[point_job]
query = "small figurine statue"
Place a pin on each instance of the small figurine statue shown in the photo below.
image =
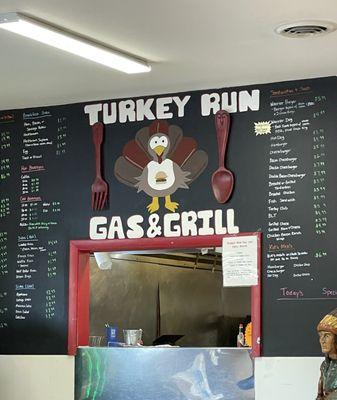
(327, 332)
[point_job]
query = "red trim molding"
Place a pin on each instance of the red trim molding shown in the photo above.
(256, 294)
(79, 273)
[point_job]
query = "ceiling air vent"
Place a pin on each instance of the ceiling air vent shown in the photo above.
(305, 29)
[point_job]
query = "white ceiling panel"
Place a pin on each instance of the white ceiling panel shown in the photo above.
(191, 44)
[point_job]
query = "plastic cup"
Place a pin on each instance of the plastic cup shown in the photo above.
(132, 337)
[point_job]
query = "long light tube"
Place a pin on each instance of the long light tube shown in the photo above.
(70, 43)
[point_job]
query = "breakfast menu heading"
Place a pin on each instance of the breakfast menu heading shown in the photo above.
(281, 151)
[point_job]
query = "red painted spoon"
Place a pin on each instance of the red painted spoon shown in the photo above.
(222, 178)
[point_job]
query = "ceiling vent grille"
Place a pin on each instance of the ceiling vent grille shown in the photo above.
(305, 29)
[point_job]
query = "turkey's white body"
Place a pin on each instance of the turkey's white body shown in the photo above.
(164, 169)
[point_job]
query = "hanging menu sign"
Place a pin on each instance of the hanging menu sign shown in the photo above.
(280, 151)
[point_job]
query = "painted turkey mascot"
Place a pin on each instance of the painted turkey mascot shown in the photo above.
(159, 161)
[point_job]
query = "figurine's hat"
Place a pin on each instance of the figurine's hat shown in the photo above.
(329, 322)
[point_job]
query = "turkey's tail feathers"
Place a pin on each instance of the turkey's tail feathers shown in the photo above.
(181, 177)
(141, 181)
(126, 172)
(196, 164)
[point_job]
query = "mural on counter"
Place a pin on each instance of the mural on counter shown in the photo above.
(193, 381)
(159, 161)
(327, 332)
(181, 373)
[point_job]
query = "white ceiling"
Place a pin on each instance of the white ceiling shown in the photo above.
(191, 44)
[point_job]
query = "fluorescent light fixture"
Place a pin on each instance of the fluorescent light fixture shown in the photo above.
(70, 43)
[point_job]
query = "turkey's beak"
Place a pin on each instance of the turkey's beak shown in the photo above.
(159, 150)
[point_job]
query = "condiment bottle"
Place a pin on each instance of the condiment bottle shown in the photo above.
(240, 342)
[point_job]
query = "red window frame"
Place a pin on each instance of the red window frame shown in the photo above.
(79, 275)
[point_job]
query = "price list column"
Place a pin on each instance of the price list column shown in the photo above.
(4, 307)
(319, 181)
(7, 120)
(61, 138)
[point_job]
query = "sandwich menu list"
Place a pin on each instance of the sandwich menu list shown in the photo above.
(299, 253)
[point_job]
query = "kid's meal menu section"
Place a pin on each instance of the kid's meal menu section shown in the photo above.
(281, 150)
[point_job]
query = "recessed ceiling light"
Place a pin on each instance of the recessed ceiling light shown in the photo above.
(71, 43)
(305, 29)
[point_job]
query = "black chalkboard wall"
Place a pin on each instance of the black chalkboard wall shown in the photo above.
(281, 149)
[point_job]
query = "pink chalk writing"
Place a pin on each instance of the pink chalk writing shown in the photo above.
(286, 292)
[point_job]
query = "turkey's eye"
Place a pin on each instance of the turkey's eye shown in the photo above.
(154, 142)
(164, 141)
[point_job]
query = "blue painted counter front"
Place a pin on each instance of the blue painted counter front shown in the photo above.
(149, 373)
